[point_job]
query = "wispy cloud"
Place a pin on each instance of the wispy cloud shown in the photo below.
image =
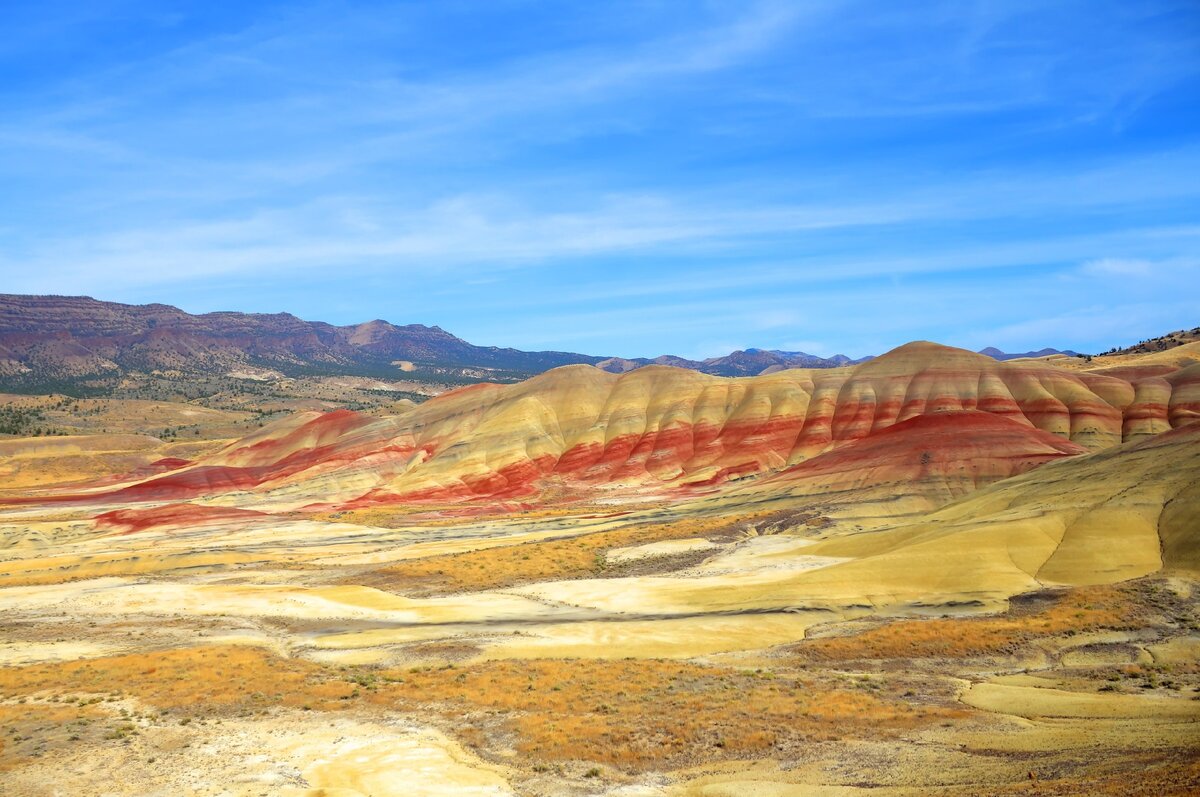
(1120, 267)
(767, 167)
(497, 231)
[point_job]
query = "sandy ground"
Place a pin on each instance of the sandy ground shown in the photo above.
(286, 754)
(1008, 691)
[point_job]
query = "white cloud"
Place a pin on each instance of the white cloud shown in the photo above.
(1118, 267)
(279, 154)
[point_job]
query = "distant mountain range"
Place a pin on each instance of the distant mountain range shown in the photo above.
(748, 362)
(55, 341)
(996, 354)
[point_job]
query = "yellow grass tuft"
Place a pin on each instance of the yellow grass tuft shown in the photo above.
(1083, 609)
(576, 557)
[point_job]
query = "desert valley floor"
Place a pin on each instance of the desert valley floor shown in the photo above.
(931, 573)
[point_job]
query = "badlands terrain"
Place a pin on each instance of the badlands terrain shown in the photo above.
(932, 572)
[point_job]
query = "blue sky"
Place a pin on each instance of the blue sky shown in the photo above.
(616, 178)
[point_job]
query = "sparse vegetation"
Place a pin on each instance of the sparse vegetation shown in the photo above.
(1085, 609)
(863, 684)
(1156, 344)
(574, 557)
(593, 711)
(23, 421)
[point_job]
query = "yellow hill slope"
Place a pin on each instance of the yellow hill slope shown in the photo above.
(1106, 517)
(583, 430)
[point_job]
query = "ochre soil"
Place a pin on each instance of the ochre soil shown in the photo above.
(631, 713)
(573, 557)
(630, 716)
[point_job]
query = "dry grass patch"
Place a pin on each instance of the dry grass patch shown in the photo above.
(29, 730)
(1079, 610)
(88, 416)
(575, 557)
(197, 680)
(641, 714)
(1148, 775)
(634, 714)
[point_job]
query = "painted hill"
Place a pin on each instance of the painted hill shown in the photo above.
(862, 533)
(915, 465)
(1089, 519)
(579, 431)
(1097, 519)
